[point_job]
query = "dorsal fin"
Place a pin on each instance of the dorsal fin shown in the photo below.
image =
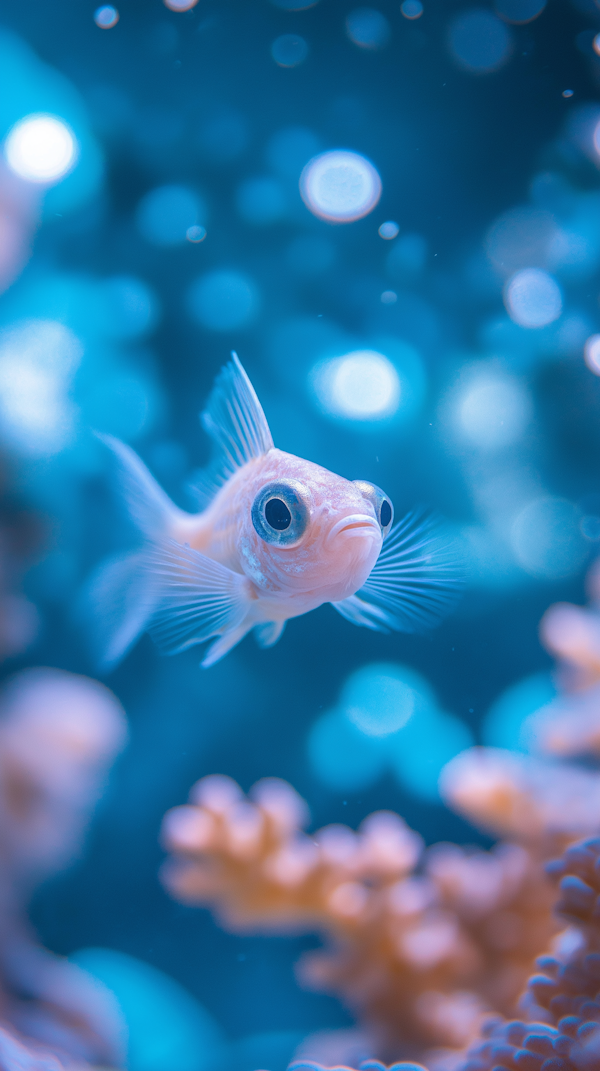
(235, 421)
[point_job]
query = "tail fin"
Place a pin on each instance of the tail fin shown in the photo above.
(121, 596)
(150, 509)
(119, 600)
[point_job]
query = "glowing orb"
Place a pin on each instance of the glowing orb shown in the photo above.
(519, 11)
(363, 385)
(388, 230)
(340, 186)
(533, 298)
(368, 28)
(494, 411)
(289, 50)
(106, 17)
(591, 354)
(223, 300)
(479, 42)
(411, 9)
(41, 148)
(546, 540)
(195, 233)
(166, 214)
(180, 5)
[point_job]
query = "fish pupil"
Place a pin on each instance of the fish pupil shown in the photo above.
(277, 515)
(385, 513)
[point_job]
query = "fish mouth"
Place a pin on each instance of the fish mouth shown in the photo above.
(354, 525)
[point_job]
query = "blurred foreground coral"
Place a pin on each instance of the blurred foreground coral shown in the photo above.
(423, 944)
(58, 736)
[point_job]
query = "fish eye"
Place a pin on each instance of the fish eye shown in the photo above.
(280, 512)
(384, 511)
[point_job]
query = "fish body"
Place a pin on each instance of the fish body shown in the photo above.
(278, 536)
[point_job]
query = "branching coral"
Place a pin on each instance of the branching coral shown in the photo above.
(417, 953)
(565, 994)
(58, 735)
(420, 943)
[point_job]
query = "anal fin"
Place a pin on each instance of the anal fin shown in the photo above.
(269, 633)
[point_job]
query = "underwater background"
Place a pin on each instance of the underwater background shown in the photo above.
(174, 232)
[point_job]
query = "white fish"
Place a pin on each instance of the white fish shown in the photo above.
(278, 536)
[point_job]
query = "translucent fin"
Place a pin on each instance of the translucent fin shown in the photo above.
(199, 597)
(363, 613)
(416, 580)
(235, 421)
(224, 644)
(150, 509)
(119, 600)
(268, 634)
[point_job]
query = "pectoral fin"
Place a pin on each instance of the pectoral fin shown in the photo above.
(415, 581)
(199, 597)
(363, 613)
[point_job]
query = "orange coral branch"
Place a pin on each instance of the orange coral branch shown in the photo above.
(419, 955)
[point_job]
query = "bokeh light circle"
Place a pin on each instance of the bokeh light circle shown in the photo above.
(106, 17)
(223, 300)
(533, 298)
(546, 539)
(166, 213)
(180, 5)
(494, 410)
(591, 354)
(195, 233)
(519, 11)
(289, 50)
(377, 700)
(362, 385)
(41, 148)
(340, 186)
(388, 230)
(368, 28)
(411, 9)
(479, 42)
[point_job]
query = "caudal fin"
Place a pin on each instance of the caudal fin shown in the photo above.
(150, 509)
(117, 604)
(121, 596)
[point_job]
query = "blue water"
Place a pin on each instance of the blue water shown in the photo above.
(180, 234)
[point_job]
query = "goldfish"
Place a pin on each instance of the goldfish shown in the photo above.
(276, 537)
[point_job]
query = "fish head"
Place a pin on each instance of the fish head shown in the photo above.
(309, 534)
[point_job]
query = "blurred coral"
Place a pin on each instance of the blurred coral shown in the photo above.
(570, 725)
(422, 944)
(531, 800)
(564, 996)
(19, 538)
(58, 735)
(418, 955)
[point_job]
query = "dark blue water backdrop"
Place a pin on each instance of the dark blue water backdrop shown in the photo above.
(439, 340)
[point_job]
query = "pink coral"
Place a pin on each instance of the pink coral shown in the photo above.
(418, 954)
(58, 735)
